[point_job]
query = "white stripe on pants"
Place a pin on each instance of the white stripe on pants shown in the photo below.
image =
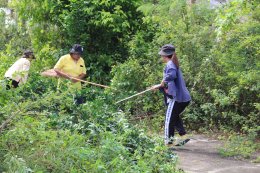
(167, 120)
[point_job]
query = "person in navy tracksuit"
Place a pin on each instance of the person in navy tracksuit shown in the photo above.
(177, 96)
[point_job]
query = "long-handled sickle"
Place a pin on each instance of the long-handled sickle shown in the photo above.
(53, 73)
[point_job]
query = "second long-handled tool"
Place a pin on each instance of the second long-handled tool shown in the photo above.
(140, 93)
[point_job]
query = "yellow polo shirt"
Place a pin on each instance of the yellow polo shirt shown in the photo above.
(67, 65)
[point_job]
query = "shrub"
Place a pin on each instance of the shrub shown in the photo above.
(52, 134)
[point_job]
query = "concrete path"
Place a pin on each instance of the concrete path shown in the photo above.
(201, 155)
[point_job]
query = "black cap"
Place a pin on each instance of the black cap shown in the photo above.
(167, 50)
(77, 48)
(27, 54)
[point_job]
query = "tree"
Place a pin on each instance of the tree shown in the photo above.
(102, 27)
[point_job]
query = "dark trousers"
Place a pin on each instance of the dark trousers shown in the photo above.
(173, 120)
(11, 84)
(80, 100)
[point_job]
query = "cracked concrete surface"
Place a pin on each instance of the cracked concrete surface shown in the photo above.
(201, 155)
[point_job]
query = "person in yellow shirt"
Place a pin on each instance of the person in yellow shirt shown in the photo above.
(71, 65)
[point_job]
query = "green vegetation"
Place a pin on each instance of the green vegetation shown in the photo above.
(239, 146)
(50, 133)
(218, 50)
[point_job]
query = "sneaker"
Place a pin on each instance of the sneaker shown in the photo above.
(182, 142)
(170, 141)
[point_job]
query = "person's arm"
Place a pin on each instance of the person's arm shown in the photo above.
(170, 75)
(61, 74)
(83, 72)
(67, 76)
(24, 72)
(80, 77)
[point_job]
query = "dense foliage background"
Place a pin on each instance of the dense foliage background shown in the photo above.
(218, 49)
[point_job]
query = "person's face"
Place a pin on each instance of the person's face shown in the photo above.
(164, 59)
(75, 56)
(31, 57)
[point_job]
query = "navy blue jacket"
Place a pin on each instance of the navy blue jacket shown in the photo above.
(173, 78)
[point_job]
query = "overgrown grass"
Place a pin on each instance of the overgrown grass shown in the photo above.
(240, 146)
(50, 133)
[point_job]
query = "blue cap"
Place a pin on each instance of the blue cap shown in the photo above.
(167, 50)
